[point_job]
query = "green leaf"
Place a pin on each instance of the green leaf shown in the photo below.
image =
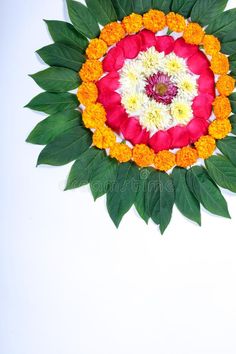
(185, 201)
(160, 198)
(59, 54)
(121, 194)
(232, 61)
(140, 201)
(103, 10)
(123, 8)
(48, 129)
(183, 7)
(51, 103)
(57, 79)
(232, 99)
(228, 44)
(141, 6)
(233, 123)
(206, 191)
(163, 5)
(103, 177)
(204, 11)
(66, 147)
(222, 172)
(82, 19)
(228, 147)
(84, 167)
(63, 32)
(222, 25)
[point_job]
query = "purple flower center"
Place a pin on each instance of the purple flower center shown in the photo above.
(161, 88)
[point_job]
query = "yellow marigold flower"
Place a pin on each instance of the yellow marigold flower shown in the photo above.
(193, 33)
(211, 44)
(221, 107)
(143, 156)
(186, 156)
(164, 160)
(220, 64)
(225, 85)
(175, 22)
(91, 70)
(104, 138)
(112, 33)
(133, 23)
(94, 116)
(205, 146)
(96, 49)
(154, 20)
(121, 152)
(87, 93)
(219, 129)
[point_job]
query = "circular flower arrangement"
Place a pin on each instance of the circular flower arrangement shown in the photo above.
(151, 123)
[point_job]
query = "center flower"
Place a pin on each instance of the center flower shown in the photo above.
(161, 88)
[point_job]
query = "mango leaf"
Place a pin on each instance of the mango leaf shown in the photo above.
(183, 7)
(103, 10)
(204, 11)
(228, 147)
(160, 198)
(232, 99)
(59, 54)
(228, 43)
(65, 33)
(222, 25)
(222, 171)
(123, 8)
(48, 129)
(66, 147)
(141, 6)
(140, 201)
(121, 194)
(232, 61)
(206, 191)
(57, 79)
(233, 123)
(82, 19)
(51, 103)
(162, 5)
(84, 167)
(103, 177)
(185, 201)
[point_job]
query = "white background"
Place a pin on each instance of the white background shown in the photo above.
(70, 283)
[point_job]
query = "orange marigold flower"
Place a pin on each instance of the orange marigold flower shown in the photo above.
(94, 116)
(143, 156)
(91, 70)
(175, 22)
(211, 44)
(205, 146)
(154, 20)
(193, 33)
(220, 64)
(96, 49)
(133, 23)
(219, 129)
(225, 85)
(121, 152)
(186, 156)
(104, 138)
(112, 33)
(221, 107)
(87, 93)
(164, 160)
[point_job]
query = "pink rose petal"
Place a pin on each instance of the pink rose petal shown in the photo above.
(165, 44)
(206, 82)
(179, 136)
(116, 115)
(109, 98)
(202, 106)
(198, 63)
(110, 82)
(114, 60)
(196, 128)
(133, 131)
(148, 39)
(131, 46)
(160, 141)
(183, 49)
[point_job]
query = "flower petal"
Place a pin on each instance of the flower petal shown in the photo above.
(202, 106)
(148, 39)
(160, 141)
(116, 115)
(131, 46)
(198, 63)
(165, 44)
(196, 128)
(179, 136)
(114, 60)
(109, 99)
(206, 82)
(133, 131)
(183, 49)
(110, 82)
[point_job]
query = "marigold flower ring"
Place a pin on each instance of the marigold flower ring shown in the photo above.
(152, 122)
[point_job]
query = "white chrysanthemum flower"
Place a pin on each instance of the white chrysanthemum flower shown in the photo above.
(131, 76)
(187, 85)
(181, 111)
(151, 61)
(156, 116)
(174, 65)
(134, 101)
